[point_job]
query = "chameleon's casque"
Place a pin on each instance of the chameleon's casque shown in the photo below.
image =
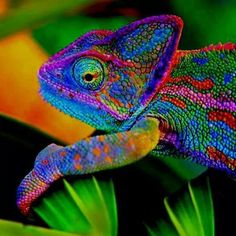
(135, 84)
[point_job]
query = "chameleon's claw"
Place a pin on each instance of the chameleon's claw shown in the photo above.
(38, 180)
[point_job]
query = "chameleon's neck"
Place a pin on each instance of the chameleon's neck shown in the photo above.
(196, 99)
(195, 86)
(166, 104)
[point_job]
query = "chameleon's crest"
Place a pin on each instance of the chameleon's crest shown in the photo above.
(141, 53)
(148, 46)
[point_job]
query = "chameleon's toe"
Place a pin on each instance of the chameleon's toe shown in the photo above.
(29, 190)
(34, 184)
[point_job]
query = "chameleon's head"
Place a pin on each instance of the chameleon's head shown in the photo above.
(105, 78)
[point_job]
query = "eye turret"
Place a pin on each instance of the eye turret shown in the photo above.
(88, 73)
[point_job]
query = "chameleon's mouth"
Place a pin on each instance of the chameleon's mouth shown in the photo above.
(66, 92)
(61, 92)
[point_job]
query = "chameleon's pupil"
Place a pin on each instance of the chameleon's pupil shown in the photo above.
(88, 77)
(88, 73)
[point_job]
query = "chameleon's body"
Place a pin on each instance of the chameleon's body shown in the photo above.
(133, 83)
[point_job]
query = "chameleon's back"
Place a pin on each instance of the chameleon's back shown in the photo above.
(198, 100)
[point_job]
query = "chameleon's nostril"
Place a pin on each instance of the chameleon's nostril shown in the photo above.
(58, 74)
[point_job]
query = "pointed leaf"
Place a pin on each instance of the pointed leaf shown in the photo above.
(87, 207)
(191, 212)
(28, 15)
(202, 201)
(10, 228)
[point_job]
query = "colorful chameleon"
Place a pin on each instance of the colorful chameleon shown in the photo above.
(150, 97)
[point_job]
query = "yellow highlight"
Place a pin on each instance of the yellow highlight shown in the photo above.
(108, 159)
(96, 152)
(106, 148)
(141, 143)
(78, 166)
(20, 59)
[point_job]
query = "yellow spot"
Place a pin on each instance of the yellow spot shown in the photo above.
(119, 135)
(101, 138)
(63, 153)
(129, 105)
(131, 74)
(106, 148)
(116, 78)
(141, 143)
(108, 159)
(78, 166)
(96, 152)
(56, 176)
(130, 143)
(77, 157)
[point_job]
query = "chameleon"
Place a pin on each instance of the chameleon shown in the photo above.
(146, 94)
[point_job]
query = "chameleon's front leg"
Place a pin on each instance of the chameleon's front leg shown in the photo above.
(87, 156)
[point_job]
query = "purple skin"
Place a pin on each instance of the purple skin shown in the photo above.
(149, 97)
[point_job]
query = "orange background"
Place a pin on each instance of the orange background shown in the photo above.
(20, 59)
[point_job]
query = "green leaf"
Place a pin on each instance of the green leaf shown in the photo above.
(202, 202)
(28, 15)
(170, 172)
(185, 169)
(87, 207)
(191, 212)
(205, 27)
(10, 228)
(56, 34)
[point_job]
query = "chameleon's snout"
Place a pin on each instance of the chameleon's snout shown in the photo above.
(46, 71)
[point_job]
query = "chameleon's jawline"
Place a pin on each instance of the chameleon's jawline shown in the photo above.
(80, 97)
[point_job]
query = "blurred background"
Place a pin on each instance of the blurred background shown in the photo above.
(33, 30)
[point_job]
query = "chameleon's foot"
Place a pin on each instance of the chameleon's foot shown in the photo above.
(38, 180)
(29, 190)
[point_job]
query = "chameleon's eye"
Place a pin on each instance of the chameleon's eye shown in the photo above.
(88, 73)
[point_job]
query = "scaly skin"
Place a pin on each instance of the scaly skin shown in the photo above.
(135, 85)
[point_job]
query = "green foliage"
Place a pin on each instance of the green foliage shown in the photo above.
(171, 173)
(57, 34)
(185, 169)
(33, 13)
(206, 22)
(86, 207)
(191, 213)
(10, 228)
